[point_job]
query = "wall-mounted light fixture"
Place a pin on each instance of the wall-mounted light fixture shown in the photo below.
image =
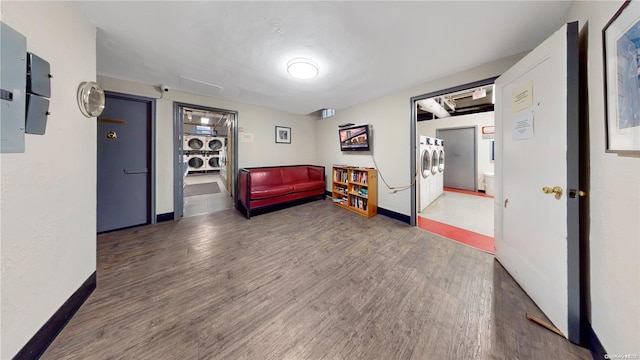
(90, 99)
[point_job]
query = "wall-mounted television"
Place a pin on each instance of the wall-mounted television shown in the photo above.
(355, 138)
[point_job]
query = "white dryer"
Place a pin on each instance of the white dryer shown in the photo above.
(194, 142)
(214, 143)
(196, 162)
(213, 162)
(425, 168)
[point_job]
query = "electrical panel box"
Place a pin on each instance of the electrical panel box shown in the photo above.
(38, 76)
(37, 111)
(13, 51)
(38, 90)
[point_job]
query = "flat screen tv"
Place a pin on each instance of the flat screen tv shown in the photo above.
(355, 138)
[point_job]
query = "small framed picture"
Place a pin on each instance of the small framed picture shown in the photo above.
(621, 41)
(283, 135)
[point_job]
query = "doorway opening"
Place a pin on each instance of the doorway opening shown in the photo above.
(455, 199)
(206, 158)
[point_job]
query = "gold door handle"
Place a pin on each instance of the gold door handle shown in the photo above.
(557, 190)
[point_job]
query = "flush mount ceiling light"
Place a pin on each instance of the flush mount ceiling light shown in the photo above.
(204, 120)
(302, 68)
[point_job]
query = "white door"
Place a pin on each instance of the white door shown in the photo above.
(535, 237)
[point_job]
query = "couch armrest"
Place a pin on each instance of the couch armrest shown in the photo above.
(244, 184)
(316, 173)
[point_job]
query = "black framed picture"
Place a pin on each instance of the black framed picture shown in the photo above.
(621, 42)
(283, 135)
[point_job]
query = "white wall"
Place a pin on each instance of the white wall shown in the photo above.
(48, 193)
(483, 153)
(390, 117)
(256, 120)
(615, 207)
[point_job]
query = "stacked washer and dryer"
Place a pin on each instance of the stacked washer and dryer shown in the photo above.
(193, 155)
(202, 153)
(431, 170)
(215, 144)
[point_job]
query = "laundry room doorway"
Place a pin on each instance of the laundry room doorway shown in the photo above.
(205, 158)
(451, 199)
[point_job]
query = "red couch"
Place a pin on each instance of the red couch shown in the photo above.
(263, 187)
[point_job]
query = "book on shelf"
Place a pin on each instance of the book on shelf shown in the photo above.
(340, 176)
(359, 176)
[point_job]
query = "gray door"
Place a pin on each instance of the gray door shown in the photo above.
(124, 184)
(460, 145)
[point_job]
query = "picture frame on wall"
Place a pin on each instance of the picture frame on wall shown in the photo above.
(621, 52)
(283, 135)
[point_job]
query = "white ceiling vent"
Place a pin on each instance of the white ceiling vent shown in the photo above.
(199, 87)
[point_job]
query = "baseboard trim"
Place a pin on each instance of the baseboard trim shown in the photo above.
(394, 215)
(388, 213)
(164, 217)
(595, 346)
(37, 345)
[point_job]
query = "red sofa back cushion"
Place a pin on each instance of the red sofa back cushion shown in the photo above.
(266, 177)
(295, 174)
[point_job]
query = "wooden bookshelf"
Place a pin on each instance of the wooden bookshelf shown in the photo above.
(355, 189)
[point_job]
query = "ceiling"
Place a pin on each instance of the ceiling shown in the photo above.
(239, 50)
(468, 101)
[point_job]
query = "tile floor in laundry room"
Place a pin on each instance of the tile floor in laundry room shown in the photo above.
(462, 216)
(206, 203)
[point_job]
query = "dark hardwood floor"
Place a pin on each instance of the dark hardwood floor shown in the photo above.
(309, 282)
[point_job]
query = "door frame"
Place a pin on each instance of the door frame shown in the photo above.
(151, 137)
(413, 126)
(475, 149)
(178, 132)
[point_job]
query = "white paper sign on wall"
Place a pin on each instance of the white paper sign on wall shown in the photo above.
(479, 93)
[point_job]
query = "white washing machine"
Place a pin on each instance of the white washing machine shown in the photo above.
(425, 168)
(196, 162)
(213, 162)
(435, 161)
(440, 174)
(194, 142)
(214, 143)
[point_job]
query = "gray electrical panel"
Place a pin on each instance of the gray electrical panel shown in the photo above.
(37, 111)
(13, 79)
(38, 76)
(38, 90)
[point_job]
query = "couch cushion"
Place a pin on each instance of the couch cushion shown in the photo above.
(265, 177)
(294, 174)
(261, 191)
(308, 185)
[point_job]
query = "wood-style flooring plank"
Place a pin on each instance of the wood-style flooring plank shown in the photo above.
(308, 282)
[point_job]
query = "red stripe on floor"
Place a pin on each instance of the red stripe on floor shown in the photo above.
(468, 192)
(473, 239)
